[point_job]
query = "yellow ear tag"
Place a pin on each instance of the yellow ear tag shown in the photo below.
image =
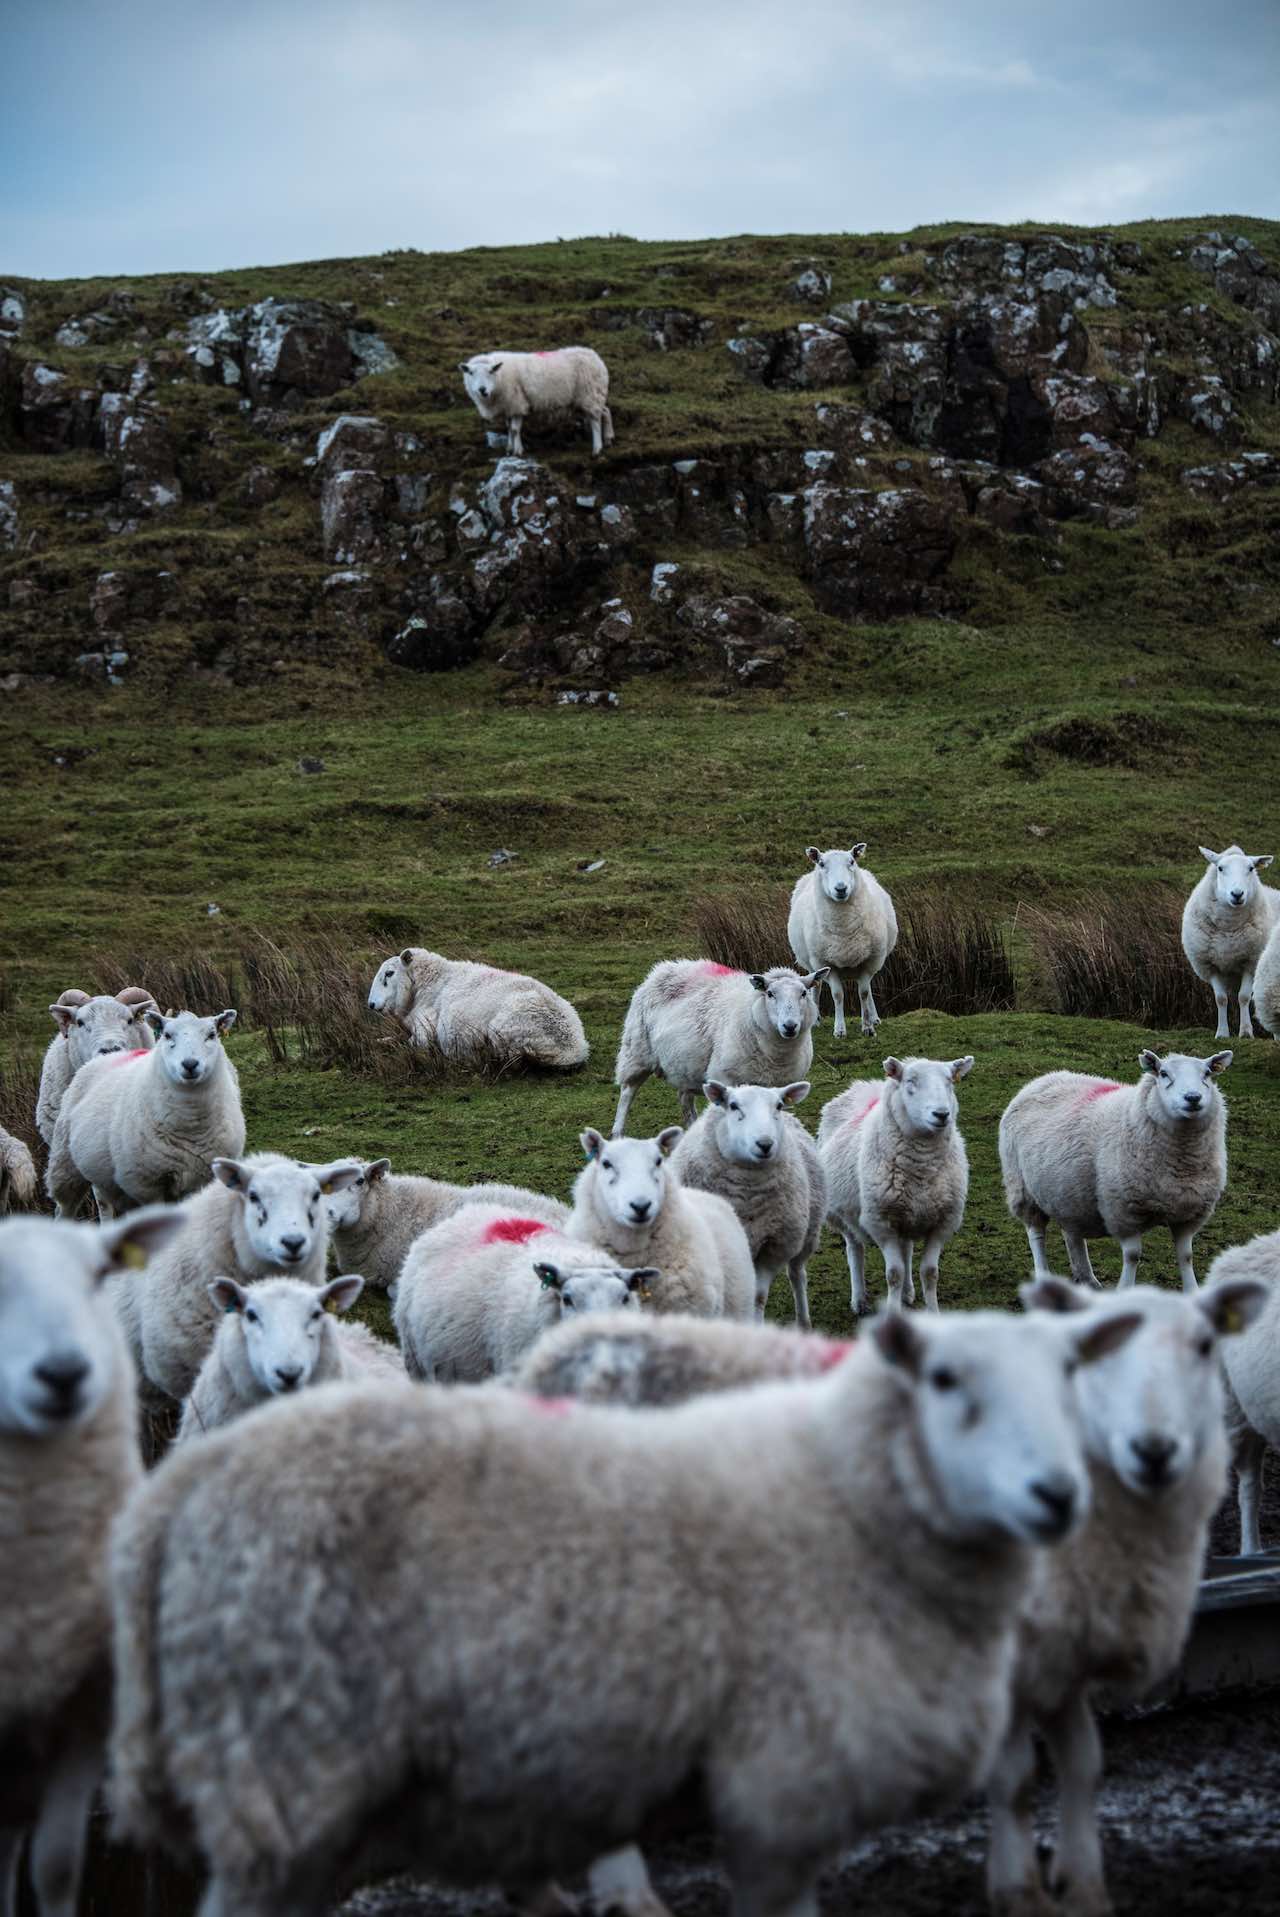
(1232, 1320)
(132, 1255)
(326, 1190)
(331, 1306)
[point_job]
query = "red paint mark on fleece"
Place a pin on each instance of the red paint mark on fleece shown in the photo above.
(553, 1407)
(126, 1058)
(859, 1116)
(711, 970)
(1098, 1091)
(512, 1231)
(830, 1351)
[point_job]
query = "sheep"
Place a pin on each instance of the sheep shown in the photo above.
(1252, 1366)
(897, 1171)
(747, 1148)
(1266, 985)
(88, 1028)
(691, 1020)
(651, 1360)
(19, 1188)
(376, 1218)
(475, 1703)
(627, 1202)
(277, 1336)
(1225, 925)
(465, 1008)
(1110, 1160)
(511, 386)
(842, 918)
(479, 1288)
(261, 1216)
(68, 1459)
(1112, 1608)
(147, 1125)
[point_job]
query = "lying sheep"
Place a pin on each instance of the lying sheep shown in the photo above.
(842, 919)
(277, 1336)
(648, 1360)
(1266, 985)
(1109, 1160)
(1252, 1365)
(691, 1020)
(511, 386)
(68, 1459)
(897, 1172)
(627, 1201)
(466, 1008)
(376, 1218)
(481, 1287)
(19, 1188)
(147, 1125)
(595, 1578)
(261, 1216)
(748, 1149)
(88, 1028)
(1112, 1608)
(1225, 925)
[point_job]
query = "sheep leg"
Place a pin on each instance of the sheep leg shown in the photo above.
(62, 1829)
(1246, 995)
(1013, 1876)
(897, 1270)
(620, 1886)
(1040, 1266)
(856, 1252)
(607, 418)
(106, 1205)
(10, 1857)
(1076, 1751)
(628, 1092)
(515, 440)
(1078, 1258)
(1249, 1450)
(765, 1275)
(770, 1889)
(224, 1898)
(798, 1273)
(688, 1108)
(1131, 1246)
(835, 985)
(1220, 999)
(866, 999)
(597, 436)
(1182, 1252)
(930, 1253)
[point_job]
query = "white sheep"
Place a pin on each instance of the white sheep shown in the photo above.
(1109, 1160)
(19, 1188)
(261, 1216)
(1252, 1365)
(691, 1020)
(652, 1360)
(525, 1626)
(376, 1218)
(843, 920)
(897, 1172)
(146, 1125)
(1225, 925)
(68, 1459)
(465, 1008)
(511, 386)
(480, 1288)
(748, 1149)
(88, 1028)
(1266, 984)
(276, 1336)
(627, 1200)
(1112, 1608)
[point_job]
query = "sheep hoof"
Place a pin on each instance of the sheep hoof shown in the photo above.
(1082, 1899)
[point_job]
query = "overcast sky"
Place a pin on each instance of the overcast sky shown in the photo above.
(162, 135)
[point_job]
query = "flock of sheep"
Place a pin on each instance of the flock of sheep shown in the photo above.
(491, 1628)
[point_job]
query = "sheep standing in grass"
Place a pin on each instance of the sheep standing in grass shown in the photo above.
(747, 1148)
(68, 1460)
(691, 1020)
(376, 1218)
(19, 1187)
(511, 386)
(481, 1287)
(1225, 925)
(479, 1010)
(593, 1577)
(1266, 985)
(1252, 1365)
(843, 920)
(651, 1360)
(1113, 1161)
(147, 1125)
(88, 1028)
(628, 1201)
(897, 1172)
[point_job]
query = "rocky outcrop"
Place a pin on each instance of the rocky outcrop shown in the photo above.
(279, 350)
(1240, 273)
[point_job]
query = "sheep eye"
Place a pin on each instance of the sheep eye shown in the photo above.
(566, 1301)
(1070, 1367)
(606, 1164)
(733, 1107)
(252, 1316)
(1204, 1347)
(80, 1023)
(943, 1379)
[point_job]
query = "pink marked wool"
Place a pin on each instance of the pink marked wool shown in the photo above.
(551, 1407)
(711, 970)
(1097, 1091)
(127, 1058)
(831, 1351)
(859, 1116)
(512, 1231)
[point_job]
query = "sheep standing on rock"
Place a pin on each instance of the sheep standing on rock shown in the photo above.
(376, 1218)
(747, 1148)
(691, 1020)
(465, 1008)
(1109, 1160)
(511, 386)
(1225, 925)
(147, 1125)
(19, 1187)
(1252, 1365)
(629, 1201)
(897, 1172)
(842, 919)
(88, 1028)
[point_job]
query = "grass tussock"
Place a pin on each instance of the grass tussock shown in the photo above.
(1122, 958)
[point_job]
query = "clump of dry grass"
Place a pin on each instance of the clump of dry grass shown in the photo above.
(1119, 957)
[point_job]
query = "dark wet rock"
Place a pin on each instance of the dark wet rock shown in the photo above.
(811, 285)
(667, 328)
(1221, 482)
(353, 439)
(13, 311)
(1094, 480)
(278, 350)
(1240, 273)
(852, 430)
(439, 637)
(8, 515)
(135, 436)
(877, 554)
(260, 485)
(353, 516)
(55, 414)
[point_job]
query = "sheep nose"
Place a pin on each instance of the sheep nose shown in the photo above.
(288, 1376)
(640, 1208)
(941, 1113)
(1154, 1453)
(1236, 897)
(292, 1244)
(63, 1372)
(790, 1029)
(842, 891)
(1057, 1494)
(105, 1050)
(764, 1146)
(1193, 1101)
(190, 1066)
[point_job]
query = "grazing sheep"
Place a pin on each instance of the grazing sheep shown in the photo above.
(481, 1287)
(648, 1360)
(691, 1020)
(376, 1218)
(68, 1460)
(262, 1216)
(842, 919)
(1252, 1365)
(511, 386)
(1266, 985)
(627, 1202)
(1112, 1608)
(1225, 925)
(466, 1008)
(88, 1028)
(19, 1187)
(1109, 1160)
(147, 1125)
(897, 1171)
(747, 1148)
(277, 1336)
(543, 1622)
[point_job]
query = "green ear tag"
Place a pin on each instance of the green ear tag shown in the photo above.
(132, 1255)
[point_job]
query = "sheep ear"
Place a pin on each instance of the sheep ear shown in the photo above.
(714, 1092)
(549, 1275)
(341, 1293)
(1263, 858)
(1149, 1060)
(1233, 1305)
(377, 1170)
(229, 1172)
(961, 1067)
(592, 1142)
(65, 1015)
(464, 365)
(760, 982)
(1211, 857)
(142, 1012)
(856, 851)
(813, 855)
(814, 979)
(225, 1020)
(640, 1280)
(668, 1140)
(227, 1295)
(496, 365)
(127, 1243)
(898, 1341)
(893, 1068)
(406, 957)
(1053, 1294)
(1104, 1333)
(337, 1176)
(1220, 1061)
(797, 1093)
(154, 1020)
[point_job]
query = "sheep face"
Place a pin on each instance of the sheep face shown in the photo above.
(749, 1126)
(345, 1204)
(282, 1322)
(283, 1205)
(631, 1175)
(788, 1000)
(58, 1350)
(478, 378)
(99, 1026)
(392, 989)
(1185, 1089)
(926, 1100)
(188, 1047)
(587, 1288)
(1235, 876)
(837, 870)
